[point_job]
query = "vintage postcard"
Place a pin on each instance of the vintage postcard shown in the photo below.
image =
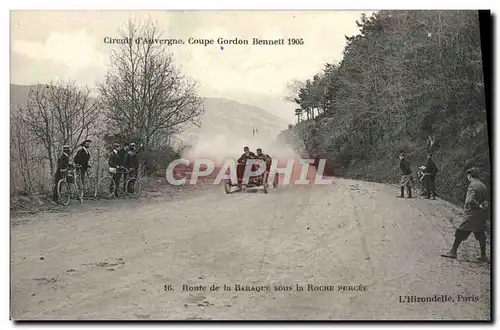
(250, 165)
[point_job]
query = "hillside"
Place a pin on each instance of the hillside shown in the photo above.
(18, 96)
(273, 104)
(408, 78)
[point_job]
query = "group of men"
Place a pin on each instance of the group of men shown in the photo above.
(121, 161)
(247, 154)
(81, 160)
(429, 180)
(476, 207)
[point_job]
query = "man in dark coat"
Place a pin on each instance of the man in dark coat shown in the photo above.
(242, 161)
(113, 163)
(131, 161)
(121, 161)
(62, 166)
(82, 158)
(404, 165)
(122, 152)
(247, 154)
(264, 157)
(475, 215)
(430, 172)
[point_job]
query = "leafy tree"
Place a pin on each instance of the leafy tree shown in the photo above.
(407, 78)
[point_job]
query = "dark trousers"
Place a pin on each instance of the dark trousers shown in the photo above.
(83, 172)
(116, 179)
(430, 185)
(462, 235)
(125, 177)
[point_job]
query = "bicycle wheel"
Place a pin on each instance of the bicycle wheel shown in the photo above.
(227, 186)
(134, 187)
(106, 187)
(417, 188)
(63, 192)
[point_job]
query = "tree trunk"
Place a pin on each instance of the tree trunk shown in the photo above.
(51, 160)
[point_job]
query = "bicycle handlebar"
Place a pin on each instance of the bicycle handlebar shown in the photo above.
(122, 168)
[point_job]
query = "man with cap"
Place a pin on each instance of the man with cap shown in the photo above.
(265, 157)
(475, 215)
(131, 161)
(430, 172)
(242, 161)
(247, 154)
(404, 165)
(113, 163)
(122, 152)
(121, 161)
(82, 158)
(62, 166)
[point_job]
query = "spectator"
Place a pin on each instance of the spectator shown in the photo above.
(62, 166)
(82, 158)
(113, 163)
(405, 177)
(430, 172)
(475, 215)
(121, 161)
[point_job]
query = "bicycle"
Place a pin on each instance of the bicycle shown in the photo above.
(70, 178)
(419, 184)
(133, 184)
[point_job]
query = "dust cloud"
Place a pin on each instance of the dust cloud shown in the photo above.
(220, 147)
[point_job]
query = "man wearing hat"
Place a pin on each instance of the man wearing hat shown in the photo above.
(475, 215)
(404, 165)
(121, 160)
(62, 165)
(131, 161)
(430, 172)
(247, 154)
(113, 163)
(82, 158)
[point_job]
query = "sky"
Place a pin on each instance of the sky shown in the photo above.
(47, 45)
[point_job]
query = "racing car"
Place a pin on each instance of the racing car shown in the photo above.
(256, 181)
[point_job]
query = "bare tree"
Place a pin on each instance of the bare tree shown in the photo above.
(57, 114)
(21, 153)
(145, 96)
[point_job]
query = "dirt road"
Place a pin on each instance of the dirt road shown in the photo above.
(118, 261)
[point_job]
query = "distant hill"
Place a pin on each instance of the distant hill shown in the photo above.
(237, 119)
(270, 103)
(227, 126)
(18, 96)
